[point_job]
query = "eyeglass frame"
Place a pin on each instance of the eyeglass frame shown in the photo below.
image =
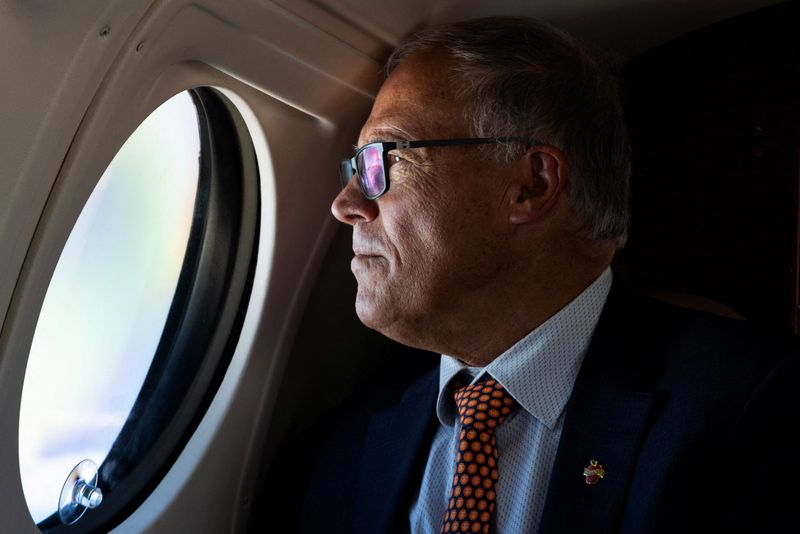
(386, 146)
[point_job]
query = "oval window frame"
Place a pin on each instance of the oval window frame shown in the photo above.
(203, 324)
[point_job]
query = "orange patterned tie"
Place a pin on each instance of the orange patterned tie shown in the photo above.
(482, 407)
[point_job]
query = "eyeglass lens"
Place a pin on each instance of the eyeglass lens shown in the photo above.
(370, 167)
(345, 172)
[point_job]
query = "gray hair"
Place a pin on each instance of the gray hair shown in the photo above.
(524, 78)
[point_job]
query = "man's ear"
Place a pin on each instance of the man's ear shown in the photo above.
(542, 178)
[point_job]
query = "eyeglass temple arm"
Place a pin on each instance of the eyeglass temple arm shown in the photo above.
(462, 141)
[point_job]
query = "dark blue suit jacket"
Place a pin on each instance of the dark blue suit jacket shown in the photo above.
(690, 414)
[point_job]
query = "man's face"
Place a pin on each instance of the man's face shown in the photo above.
(435, 240)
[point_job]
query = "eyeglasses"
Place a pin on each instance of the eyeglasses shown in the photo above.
(371, 160)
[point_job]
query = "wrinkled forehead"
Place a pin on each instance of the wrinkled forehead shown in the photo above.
(419, 100)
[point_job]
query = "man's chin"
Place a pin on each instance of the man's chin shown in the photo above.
(369, 312)
(376, 314)
(386, 320)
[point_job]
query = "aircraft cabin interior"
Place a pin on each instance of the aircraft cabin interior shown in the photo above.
(175, 295)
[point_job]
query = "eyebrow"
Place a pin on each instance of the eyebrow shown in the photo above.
(388, 133)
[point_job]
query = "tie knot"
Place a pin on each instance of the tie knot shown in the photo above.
(483, 405)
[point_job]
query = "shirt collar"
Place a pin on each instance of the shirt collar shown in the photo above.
(539, 370)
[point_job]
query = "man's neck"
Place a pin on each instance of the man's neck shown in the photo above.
(487, 331)
(480, 326)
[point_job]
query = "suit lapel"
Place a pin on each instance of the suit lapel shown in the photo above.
(610, 434)
(394, 451)
(605, 421)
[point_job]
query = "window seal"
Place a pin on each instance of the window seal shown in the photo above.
(202, 327)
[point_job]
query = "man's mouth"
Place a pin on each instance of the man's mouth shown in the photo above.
(366, 252)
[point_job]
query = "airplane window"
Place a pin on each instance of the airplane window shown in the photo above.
(141, 315)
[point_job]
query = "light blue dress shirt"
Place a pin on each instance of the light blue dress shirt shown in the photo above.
(539, 371)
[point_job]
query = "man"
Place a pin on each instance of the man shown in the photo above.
(487, 199)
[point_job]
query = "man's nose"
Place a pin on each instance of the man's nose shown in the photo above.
(351, 207)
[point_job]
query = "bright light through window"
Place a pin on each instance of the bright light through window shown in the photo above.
(107, 303)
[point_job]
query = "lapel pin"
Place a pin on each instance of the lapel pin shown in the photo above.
(593, 472)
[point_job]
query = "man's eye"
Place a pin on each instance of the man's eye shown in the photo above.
(396, 159)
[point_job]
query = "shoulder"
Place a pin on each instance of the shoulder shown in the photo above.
(733, 344)
(679, 347)
(705, 374)
(322, 467)
(724, 403)
(390, 385)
